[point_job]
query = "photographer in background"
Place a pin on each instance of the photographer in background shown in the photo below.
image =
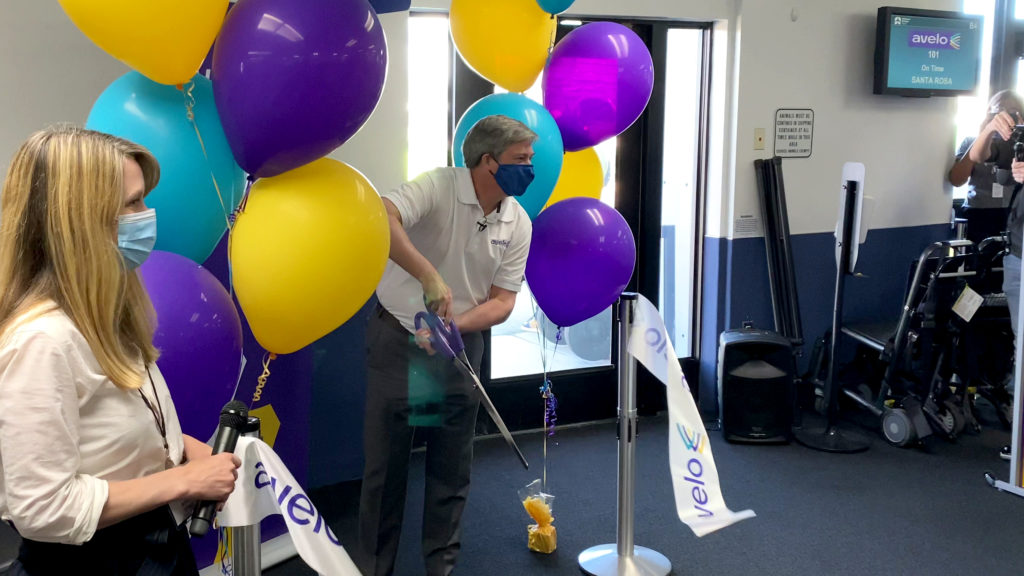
(993, 204)
(983, 162)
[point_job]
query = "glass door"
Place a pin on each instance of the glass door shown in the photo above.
(652, 176)
(681, 185)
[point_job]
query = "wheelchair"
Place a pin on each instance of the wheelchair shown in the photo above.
(952, 342)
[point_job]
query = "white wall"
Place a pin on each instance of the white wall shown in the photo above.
(824, 61)
(378, 150)
(49, 71)
(763, 60)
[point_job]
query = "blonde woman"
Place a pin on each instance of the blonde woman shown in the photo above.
(94, 469)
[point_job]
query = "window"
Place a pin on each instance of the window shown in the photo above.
(525, 343)
(429, 71)
(970, 110)
(679, 210)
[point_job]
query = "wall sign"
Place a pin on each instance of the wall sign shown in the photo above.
(794, 128)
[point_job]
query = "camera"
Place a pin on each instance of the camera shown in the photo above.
(1002, 153)
(1017, 139)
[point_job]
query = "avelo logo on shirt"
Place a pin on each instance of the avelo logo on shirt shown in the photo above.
(941, 39)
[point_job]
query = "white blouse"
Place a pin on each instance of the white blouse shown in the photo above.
(66, 430)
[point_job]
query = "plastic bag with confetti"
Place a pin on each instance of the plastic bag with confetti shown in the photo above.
(542, 536)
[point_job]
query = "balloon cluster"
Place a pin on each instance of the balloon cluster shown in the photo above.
(291, 80)
(597, 81)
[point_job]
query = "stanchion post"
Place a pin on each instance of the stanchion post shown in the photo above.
(627, 429)
(1014, 486)
(245, 540)
(624, 558)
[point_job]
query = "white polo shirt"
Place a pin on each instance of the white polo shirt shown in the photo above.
(440, 213)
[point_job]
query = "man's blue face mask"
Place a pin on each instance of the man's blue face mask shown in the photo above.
(136, 236)
(514, 179)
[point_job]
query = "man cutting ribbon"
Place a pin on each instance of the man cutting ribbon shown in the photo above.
(466, 272)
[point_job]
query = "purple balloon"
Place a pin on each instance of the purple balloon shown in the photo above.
(295, 79)
(597, 83)
(199, 334)
(581, 259)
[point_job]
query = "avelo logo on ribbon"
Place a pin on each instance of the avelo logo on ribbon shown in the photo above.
(264, 487)
(699, 501)
(933, 39)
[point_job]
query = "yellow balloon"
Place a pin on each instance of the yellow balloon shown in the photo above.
(581, 175)
(165, 40)
(505, 41)
(307, 252)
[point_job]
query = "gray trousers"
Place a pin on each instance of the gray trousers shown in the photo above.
(407, 388)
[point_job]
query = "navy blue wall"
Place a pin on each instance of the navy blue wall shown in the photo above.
(338, 397)
(736, 288)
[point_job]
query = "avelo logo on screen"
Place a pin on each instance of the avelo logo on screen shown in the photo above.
(922, 38)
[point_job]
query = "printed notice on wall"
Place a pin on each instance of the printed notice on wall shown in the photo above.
(794, 128)
(746, 226)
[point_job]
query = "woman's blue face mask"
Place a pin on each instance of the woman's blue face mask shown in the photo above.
(136, 236)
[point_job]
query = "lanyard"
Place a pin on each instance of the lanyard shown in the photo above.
(158, 416)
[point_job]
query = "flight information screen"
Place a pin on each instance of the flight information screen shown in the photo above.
(934, 53)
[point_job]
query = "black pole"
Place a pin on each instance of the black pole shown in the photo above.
(764, 186)
(829, 438)
(795, 331)
(842, 268)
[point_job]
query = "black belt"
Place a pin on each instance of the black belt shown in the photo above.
(389, 319)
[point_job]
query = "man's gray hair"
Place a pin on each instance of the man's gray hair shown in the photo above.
(493, 135)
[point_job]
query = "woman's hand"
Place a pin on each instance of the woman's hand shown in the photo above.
(210, 478)
(194, 449)
(1001, 124)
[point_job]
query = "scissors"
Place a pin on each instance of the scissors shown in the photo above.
(447, 340)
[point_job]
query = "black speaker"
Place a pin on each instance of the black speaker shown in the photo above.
(755, 386)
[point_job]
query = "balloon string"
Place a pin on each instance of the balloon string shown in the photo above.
(249, 181)
(190, 103)
(223, 550)
(546, 390)
(550, 407)
(554, 34)
(551, 45)
(262, 380)
(231, 227)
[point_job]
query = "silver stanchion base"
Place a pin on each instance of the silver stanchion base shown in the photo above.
(1004, 486)
(604, 560)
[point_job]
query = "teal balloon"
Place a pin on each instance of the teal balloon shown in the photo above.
(190, 216)
(555, 6)
(547, 150)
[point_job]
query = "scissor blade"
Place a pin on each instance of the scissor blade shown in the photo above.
(493, 413)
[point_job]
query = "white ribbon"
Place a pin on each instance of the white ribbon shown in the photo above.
(265, 487)
(699, 500)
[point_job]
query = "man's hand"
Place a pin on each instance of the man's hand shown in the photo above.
(423, 340)
(438, 296)
(1018, 171)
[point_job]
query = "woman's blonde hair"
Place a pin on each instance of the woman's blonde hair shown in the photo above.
(58, 241)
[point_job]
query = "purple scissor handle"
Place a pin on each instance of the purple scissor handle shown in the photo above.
(444, 339)
(447, 340)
